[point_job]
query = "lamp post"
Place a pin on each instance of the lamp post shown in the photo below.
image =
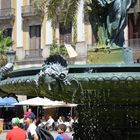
(10, 55)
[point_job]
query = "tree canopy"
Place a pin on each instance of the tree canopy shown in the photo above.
(63, 10)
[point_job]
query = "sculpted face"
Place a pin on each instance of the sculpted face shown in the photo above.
(55, 71)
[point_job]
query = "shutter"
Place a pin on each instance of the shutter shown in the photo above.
(5, 4)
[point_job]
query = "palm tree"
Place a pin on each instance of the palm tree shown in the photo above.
(5, 42)
(63, 11)
(105, 25)
(66, 9)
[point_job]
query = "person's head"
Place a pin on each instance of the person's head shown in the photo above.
(50, 117)
(43, 118)
(61, 128)
(15, 121)
(60, 118)
(29, 110)
(30, 118)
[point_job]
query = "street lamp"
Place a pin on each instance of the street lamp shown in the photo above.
(10, 55)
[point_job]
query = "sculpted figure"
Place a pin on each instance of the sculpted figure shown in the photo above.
(111, 17)
(55, 75)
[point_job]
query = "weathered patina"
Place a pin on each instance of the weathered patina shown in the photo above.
(108, 95)
(108, 19)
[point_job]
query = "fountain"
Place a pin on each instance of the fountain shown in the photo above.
(108, 95)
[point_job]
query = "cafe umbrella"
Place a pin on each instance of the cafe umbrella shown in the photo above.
(7, 101)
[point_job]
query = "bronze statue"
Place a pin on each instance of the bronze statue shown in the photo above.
(110, 16)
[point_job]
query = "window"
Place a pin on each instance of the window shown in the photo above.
(5, 4)
(134, 26)
(35, 41)
(7, 32)
(35, 37)
(65, 33)
(31, 1)
(134, 35)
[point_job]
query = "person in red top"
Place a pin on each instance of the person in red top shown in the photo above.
(28, 112)
(16, 133)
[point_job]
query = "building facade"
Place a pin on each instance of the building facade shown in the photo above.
(32, 33)
(134, 31)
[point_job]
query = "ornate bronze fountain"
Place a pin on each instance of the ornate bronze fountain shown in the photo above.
(108, 95)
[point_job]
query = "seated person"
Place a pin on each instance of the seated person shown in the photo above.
(60, 120)
(43, 123)
(50, 122)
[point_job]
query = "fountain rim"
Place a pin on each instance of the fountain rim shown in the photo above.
(91, 68)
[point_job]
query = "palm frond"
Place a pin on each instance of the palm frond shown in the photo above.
(5, 42)
(70, 10)
(62, 9)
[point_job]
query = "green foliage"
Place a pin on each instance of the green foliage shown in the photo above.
(74, 31)
(62, 10)
(61, 50)
(39, 5)
(5, 42)
(54, 31)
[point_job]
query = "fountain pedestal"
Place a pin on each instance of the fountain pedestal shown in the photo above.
(110, 56)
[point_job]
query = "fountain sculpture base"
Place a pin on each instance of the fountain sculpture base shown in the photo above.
(110, 56)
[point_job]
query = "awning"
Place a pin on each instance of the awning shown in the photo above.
(7, 102)
(38, 101)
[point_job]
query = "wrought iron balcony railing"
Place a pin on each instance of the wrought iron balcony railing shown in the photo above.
(134, 43)
(29, 10)
(66, 39)
(7, 13)
(33, 53)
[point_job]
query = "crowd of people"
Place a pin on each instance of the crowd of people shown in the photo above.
(26, 128)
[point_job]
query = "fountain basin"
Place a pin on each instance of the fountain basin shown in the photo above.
(108, 97)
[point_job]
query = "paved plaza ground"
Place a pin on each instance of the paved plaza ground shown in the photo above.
(54, 133)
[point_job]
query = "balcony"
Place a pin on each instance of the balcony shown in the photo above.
(29, 10)
(27, 58)
(67, 39)
(34, 53)
(7, 14)
(135, 45)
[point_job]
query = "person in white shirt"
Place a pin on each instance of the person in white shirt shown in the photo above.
(50, 122)
(71, 121)
(31, 131)
(60, 121)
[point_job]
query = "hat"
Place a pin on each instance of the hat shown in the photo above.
(31, 115)
(15, 120)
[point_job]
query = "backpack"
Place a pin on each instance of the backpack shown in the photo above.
(63, 136)
(44, 134)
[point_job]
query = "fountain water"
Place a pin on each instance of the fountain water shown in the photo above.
(108, 95)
